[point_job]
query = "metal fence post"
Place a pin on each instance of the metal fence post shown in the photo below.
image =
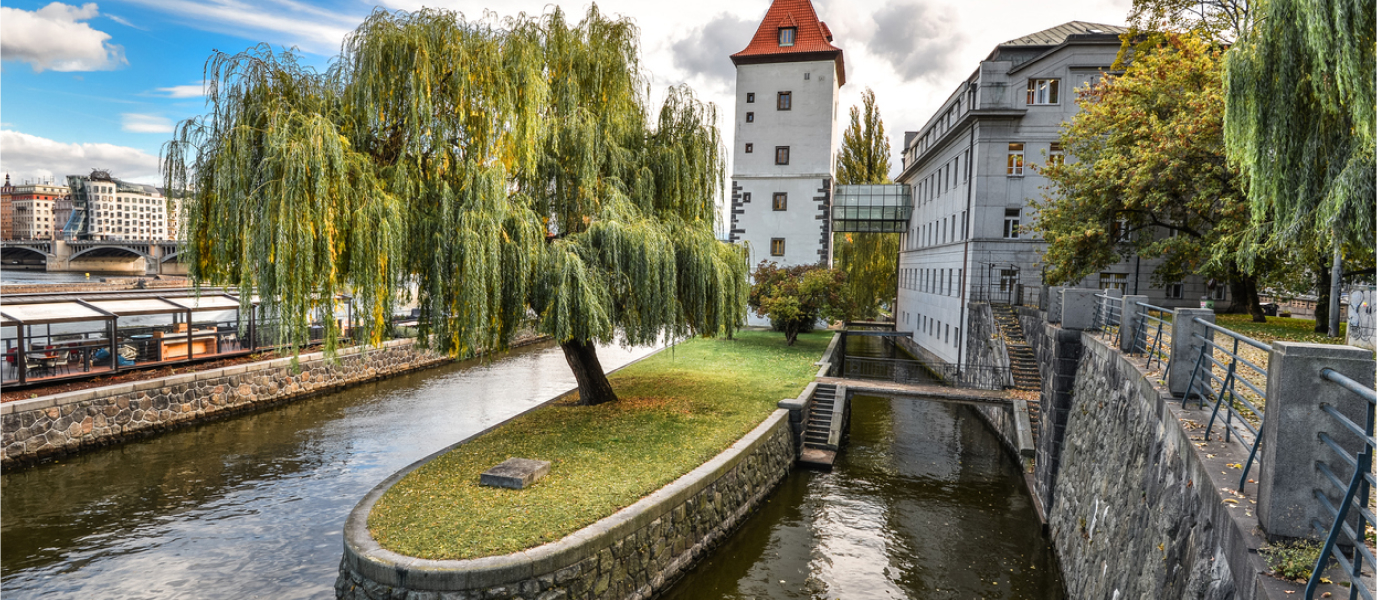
(1185, 347)
(1287, 476)
(1077, 308)
(1130, 320)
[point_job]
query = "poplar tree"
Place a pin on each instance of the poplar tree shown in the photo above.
(868, 259)
(507, 169)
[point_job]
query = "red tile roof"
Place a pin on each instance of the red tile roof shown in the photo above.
(811, 42)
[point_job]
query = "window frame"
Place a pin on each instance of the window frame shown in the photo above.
(750, 97)
(780, 201)
(1014, 168)
(1056, 155)
(750, 117)
(1012, 222)
(776, 246)
(792, 36)
(1044, 91)
(785, 150)
(750, 148)
(784, 100)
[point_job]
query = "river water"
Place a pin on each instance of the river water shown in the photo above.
(923, 503)
(253, 506)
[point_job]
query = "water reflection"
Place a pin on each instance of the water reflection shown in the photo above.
(250, 507)
(923, 504)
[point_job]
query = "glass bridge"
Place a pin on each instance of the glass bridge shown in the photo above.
(871, 208)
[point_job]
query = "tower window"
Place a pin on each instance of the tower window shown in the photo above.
(745, 197)
(750, 98)
(785, 101)
(781, 155)
(776, 246)
(786, 35)
(750, 117)
(749, 148)
(781, 201)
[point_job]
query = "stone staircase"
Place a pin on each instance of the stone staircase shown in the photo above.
(823, 428)
(1022, 361)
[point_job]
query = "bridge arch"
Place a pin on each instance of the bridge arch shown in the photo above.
(108, 251)
(23, 255)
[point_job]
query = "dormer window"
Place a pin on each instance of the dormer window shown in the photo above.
(786, 36)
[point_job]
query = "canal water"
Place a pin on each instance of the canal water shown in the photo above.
(922, 504)
(253, 506)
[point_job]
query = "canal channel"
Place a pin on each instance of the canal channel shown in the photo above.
(922, 504)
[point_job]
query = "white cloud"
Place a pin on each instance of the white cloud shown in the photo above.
(124, 22)
(53, 37)
(141, 123)
(294, 24)
(194, 90)
(29, 157)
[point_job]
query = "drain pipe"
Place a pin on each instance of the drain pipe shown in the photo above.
(966, 248)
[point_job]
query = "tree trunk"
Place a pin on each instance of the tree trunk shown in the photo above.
(791, 333)
(1244, 290)
(594, 388)
(1322, 282)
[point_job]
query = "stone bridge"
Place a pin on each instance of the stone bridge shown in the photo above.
(106, 256)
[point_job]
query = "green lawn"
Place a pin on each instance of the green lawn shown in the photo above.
(677, 410)
(1279, 328)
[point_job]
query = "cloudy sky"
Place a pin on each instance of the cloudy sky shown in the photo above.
(101, 84)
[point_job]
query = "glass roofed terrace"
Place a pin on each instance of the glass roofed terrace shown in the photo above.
(51, 337)
(871, 208)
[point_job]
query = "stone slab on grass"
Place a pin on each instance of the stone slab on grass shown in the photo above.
(515, 473)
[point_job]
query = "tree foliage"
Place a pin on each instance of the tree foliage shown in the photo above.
(1300, 121)
(503, 167)
(1151, 177)
(1221, 21)
(868, 259)
(794, 298)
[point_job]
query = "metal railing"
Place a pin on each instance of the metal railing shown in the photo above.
(1152, 335)
(1356, 494)
(1108, 317)
(1235, 384)
(901, 370)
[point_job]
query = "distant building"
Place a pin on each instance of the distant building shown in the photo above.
(787, 83)
(106, 208)
(6, 211)
(971, 168)
(29, 209)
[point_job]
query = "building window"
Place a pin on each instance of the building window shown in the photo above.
(1055, 155)
(1015, 159)
(781, 155)
(786, 35)
(1011, 220)
(750, 117)
(1219, 293)
(1114, 281)
(781, 201)
(750, 148)
(750, 98)
(745, 197)
(1175, 291)
(785, 101)
(1119, 231)
(776, 246)
(1042, 91)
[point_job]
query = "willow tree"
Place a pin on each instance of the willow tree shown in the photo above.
(511, 171)
(868, 259)
(1300, 124)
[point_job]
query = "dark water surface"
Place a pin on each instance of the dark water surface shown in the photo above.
(922, 504)
(250, 507)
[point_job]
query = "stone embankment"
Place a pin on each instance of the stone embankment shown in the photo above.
(99, 284)
(633, 554)
(45, 427)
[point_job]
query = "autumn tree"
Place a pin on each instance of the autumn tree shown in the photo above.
(1150, 177)
(868, 259)
(505, 168)
(1300, 125)
(794, 298)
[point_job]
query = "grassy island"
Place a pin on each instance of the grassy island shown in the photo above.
(678, 409)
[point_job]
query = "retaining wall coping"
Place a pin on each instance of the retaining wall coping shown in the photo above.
(389, 568)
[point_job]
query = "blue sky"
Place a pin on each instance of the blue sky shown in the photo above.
(86, 85)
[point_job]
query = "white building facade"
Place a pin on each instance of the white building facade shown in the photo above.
(973, 171)
(113, 209)
(787, 84)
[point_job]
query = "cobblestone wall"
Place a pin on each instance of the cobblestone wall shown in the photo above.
(31, 430)
(633, 554)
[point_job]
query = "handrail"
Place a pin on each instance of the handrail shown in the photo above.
(1356, 494)
(1202, 382)
(1160, 346)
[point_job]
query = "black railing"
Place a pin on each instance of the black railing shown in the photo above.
(1243, 395)
(1152, 335)
(1351, 518)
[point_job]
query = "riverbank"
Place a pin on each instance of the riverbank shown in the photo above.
(45, 427)
(637, 491)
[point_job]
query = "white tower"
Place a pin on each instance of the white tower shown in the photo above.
(787, 84)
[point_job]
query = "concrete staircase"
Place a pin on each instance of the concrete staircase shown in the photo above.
(1022, 361)
(822, 430)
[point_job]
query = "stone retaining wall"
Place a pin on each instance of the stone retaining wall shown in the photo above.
(1140, 505)
(39, 428)
(633, 554)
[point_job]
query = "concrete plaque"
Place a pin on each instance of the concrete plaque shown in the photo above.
(515, 473)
